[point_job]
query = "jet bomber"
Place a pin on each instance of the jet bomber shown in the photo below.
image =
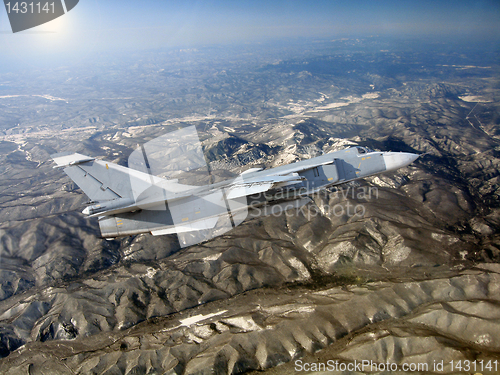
(130, 201)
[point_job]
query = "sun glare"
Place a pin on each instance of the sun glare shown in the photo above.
(55, 36)
(60, 24)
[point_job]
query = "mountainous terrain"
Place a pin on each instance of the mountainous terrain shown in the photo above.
(399, 268)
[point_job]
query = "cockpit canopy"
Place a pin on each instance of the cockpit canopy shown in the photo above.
(363, 150)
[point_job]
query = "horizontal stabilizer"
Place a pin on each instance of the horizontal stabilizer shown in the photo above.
(129, 206)
(64, 159)
(108, 183)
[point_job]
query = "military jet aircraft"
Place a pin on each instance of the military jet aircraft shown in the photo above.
(129, 201)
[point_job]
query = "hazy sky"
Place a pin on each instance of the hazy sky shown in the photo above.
(94, 26)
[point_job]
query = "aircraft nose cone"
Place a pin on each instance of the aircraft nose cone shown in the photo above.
(396, 160)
